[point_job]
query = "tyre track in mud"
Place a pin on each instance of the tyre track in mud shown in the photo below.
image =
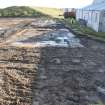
(51, 75)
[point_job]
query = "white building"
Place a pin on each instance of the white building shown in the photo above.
(94, 15)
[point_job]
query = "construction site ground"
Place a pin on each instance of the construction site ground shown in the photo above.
(43, 63)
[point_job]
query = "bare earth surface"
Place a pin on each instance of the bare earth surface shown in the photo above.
(44, 64)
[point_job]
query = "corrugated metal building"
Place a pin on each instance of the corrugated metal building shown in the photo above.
(94, 15)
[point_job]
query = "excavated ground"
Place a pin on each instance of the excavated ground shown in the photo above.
(36, 73)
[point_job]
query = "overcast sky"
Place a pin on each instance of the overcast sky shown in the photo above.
(46, 3)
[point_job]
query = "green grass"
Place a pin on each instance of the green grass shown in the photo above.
(53, 12)
(24, 11)
(84, 30)
(98, 103)
(20, 11)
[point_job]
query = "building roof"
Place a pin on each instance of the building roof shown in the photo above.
(98, 1)
(96, 6)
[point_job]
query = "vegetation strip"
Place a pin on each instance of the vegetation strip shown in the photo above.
(84, 31)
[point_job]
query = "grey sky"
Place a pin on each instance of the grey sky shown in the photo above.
(47, 3)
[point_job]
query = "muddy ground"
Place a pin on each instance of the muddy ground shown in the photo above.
(37, 73)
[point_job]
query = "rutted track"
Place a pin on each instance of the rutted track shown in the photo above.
(18, 70)
(8, 35)
(49, 75)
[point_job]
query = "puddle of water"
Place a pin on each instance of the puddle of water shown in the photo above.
(60, 42)
(75, 42)
(40, 44)
(59, 38)
(65, 30)
(70, 35)
(53, 43)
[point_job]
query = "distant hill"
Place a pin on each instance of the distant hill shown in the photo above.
(20, 11)
(53, 12)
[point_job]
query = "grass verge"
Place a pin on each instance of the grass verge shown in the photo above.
(82, 30)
